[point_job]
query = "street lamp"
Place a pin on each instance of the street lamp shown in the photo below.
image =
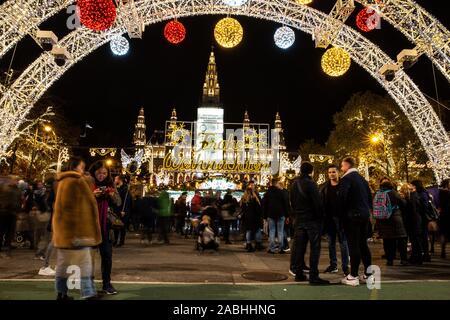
(377, 138)
(47, 128)
(109, 162)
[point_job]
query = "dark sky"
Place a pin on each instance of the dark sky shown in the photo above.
(107, 91)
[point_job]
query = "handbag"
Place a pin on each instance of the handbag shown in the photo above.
(114, 220)
(432, 214)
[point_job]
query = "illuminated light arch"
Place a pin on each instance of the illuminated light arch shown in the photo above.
(21, 17)
(42, 73)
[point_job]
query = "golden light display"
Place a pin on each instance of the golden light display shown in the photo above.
(303, 1)
(228, 32)
(336, 62)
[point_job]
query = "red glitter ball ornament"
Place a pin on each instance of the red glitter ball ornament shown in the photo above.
(97, 15)
(174, 32)
(367, 19)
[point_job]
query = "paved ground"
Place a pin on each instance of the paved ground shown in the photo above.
(178, 271)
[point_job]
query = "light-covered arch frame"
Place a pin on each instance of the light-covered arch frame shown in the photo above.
(21, 17)
(42, 73)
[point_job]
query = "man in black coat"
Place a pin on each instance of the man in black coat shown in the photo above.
(329, 192)
(275, 211)
(308, 211)
(355, 203)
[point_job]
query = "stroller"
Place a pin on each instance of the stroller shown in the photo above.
(207, 236)
(24, 234)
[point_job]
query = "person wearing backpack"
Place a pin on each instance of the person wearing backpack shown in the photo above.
(387, 212)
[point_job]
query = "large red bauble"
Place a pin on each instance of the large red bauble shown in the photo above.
(174, 32)
(367, 19)
(97, 15)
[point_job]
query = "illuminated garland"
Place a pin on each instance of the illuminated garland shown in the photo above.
(102, 151)
(97, 15)
(235, 3)
(303, 1)
(174, 32)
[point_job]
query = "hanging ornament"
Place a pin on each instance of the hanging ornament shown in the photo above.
(367, 19)
(336, 62)
(303, 1)
(235, 3)
(174, 31)
(284, 37)
(119, 45)
(228, 32)
(97, 15)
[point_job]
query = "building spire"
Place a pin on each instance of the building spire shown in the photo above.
(211, 88)
(173, 117)
(246, 120)
(139, 138)
(278, 123)
(279, 130)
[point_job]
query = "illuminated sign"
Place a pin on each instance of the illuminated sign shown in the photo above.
(209, 130)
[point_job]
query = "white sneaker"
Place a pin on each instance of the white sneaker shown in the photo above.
(292, 273)
(350, 281)
(47, 272)
(368, 279)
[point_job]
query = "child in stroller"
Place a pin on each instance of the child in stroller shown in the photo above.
(207, 236)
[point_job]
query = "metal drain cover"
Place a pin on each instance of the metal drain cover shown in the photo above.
(264, 276)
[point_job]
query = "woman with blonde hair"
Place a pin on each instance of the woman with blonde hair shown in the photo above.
(252, 217)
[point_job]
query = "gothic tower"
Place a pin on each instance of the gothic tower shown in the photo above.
(279, 130)
(139, 138)
(211, 88)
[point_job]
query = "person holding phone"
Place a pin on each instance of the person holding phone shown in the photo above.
(107, 197)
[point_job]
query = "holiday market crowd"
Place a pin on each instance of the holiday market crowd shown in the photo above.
(81, 212)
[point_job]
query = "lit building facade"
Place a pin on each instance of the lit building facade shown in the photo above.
(209, 153)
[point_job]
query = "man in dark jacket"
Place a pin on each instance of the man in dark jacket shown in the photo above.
(355, 203)
(329, 192)
(275, 210)
(308, 211)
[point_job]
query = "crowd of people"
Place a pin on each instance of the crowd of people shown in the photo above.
(84, 211)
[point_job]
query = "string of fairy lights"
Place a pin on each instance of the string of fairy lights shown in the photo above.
(99, 15)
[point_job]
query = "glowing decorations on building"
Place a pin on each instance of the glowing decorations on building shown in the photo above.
(304, 1)
(228, 32)
(119, 45)
(235, 3)
(336, 62)
(284, 37)
(367, 19)
(97, 15)
(131, 165)
(174, 31)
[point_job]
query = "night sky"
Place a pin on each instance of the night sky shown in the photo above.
(107, 91)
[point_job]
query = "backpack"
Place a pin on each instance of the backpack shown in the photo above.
(382, 207)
